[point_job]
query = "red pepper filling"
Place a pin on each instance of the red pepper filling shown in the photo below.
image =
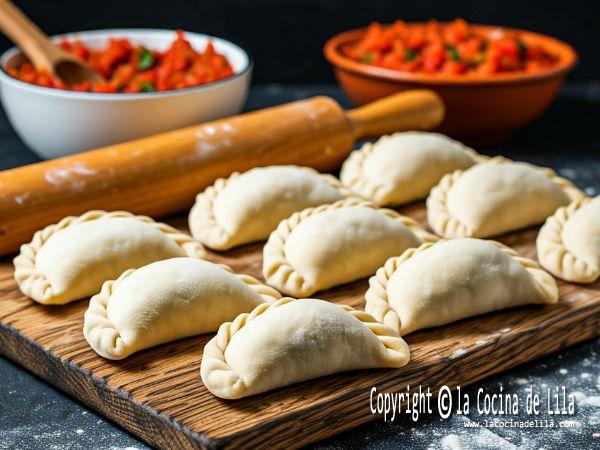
(134, 68)
(453, 49)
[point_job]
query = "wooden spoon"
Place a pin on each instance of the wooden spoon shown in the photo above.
(41, 51)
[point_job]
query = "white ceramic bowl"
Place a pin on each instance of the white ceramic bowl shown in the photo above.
(55, 122)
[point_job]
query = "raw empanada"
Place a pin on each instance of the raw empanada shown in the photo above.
(403, 167)
(165, 301)
(321, 247)
(496, 197)
(71, 259)
(290, 341)
(440, 283)
(568, 244)
(247, 207)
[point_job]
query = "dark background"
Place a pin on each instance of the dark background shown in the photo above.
(285, 37)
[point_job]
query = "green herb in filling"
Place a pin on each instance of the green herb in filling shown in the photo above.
(145, 59)
(367, 58)
(453, 53)
(522, 47)
(411, 54)
(147, 86)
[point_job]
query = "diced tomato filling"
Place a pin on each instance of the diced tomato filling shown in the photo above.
(454, 48)
(134, 68)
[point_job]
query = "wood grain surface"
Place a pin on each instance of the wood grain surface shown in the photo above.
(158, 395)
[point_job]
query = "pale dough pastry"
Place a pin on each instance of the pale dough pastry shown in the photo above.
(289, 341)
(496, 197)
(403, 167)
(72, 258)
(447, 281)
(165, 301)
(568, 244)
(329, 245)
(247, 207)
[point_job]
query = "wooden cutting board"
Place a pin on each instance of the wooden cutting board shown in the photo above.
(158, 395)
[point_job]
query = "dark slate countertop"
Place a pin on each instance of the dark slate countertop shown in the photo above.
(34, 415)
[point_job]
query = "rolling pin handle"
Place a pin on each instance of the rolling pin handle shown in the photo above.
(411, 110)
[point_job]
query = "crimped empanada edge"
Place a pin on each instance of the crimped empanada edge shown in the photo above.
(448, 226)
(438, 215)
(204, 225)
(202, 221)
(35, 285)
(279, 272)
(229, 385)
(377, 302)
(103, 336)
(554, 256)
(352, 172)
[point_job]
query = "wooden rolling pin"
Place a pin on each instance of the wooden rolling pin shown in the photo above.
(160, 175)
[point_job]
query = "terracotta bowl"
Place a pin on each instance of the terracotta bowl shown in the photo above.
(483, 110)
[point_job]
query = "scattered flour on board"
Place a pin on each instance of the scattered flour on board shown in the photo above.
(592, 401)
(563, 371)
(590, 191)
(124, 448)
(480, 438)
(579, 396)
(522, 381)
(459, 352)
(583, 399)
(451, 442)
(79, 431)
(580, 297)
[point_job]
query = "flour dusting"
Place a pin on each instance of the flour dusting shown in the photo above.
(227, 128)
(592, 401)
(20, 199)
(473, 438)
(210, 130)
(459, 352)
(451, 442)
(203, 148)
(70, 175)
(580, 297)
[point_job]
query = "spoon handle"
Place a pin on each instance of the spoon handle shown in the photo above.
(23, 32)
